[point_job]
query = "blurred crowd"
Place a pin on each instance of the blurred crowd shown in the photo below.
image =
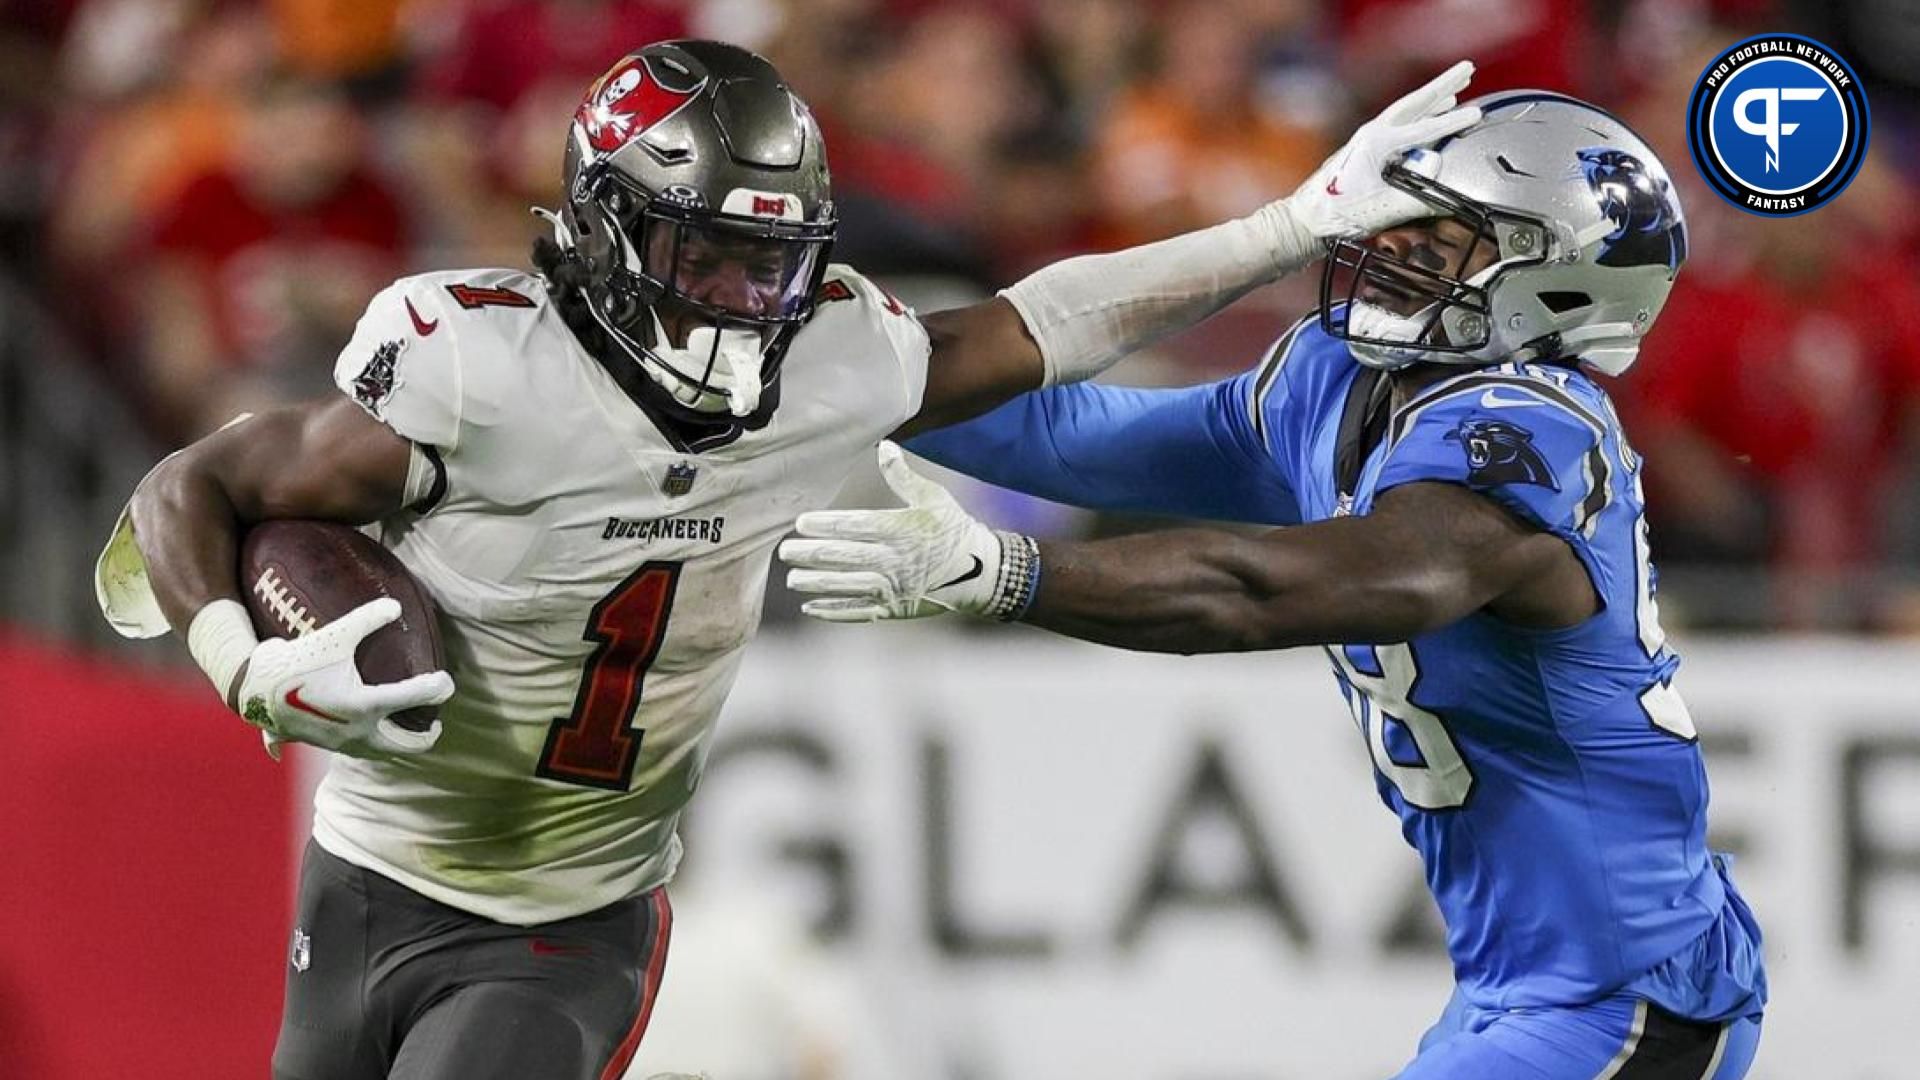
(208, 192)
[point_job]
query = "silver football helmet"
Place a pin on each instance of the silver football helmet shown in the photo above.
(1587, 230)
(697, 194)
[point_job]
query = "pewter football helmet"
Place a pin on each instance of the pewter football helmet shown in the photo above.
(1589, 236)
(685, 160)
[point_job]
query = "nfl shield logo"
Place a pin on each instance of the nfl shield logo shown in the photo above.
(302, 950)
(679, 479)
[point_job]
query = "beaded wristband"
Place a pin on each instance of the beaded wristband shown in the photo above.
(1019, 577)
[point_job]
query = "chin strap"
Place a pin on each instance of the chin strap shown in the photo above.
(561, 234)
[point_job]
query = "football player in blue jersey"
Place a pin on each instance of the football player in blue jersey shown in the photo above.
(1463, 531)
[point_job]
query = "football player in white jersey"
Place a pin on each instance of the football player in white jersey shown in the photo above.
(589, 469)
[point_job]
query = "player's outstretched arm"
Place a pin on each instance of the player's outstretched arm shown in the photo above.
(1428, 554)
(1187, 452)
(328, 460)
(1076, 318)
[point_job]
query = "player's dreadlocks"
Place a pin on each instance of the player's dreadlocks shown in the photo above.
(566, 278)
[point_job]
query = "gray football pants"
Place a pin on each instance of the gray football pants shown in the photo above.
(385, 983)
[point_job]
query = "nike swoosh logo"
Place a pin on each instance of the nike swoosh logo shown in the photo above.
(420, 325)
(294, 701)
(1492, 400)
(978, 566)
(1333, 186)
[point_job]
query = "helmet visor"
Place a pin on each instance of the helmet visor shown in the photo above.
(725, 272)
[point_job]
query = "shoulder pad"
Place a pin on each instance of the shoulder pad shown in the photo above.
(1279, 364)
(1530, 443)
(861, 317)
(432, 350)
(843, 284)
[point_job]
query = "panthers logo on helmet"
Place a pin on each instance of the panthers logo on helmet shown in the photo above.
(627, 101)
(1501, 452)
(1647, 230)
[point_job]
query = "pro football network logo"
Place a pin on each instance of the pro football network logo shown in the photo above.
(1778, 125)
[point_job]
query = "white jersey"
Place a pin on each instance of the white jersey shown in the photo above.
(597, 583)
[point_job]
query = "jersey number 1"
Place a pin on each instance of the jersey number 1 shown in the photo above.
(595, 745)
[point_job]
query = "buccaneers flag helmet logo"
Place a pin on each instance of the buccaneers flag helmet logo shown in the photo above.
(626, 102)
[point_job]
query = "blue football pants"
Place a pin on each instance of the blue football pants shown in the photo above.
(1616, 1038)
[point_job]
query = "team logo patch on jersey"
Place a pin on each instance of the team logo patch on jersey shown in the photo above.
(679, 479)
(1777, 125)
(375, 383)
(1501, 452)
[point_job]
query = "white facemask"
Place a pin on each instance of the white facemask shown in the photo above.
(734, 380)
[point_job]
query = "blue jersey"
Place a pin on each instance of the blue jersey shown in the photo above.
(1550, 779)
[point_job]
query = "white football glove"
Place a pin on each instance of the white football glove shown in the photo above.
(926, 558)
(307, 689)
(1347, 197)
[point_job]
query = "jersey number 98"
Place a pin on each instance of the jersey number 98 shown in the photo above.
(1441, 779)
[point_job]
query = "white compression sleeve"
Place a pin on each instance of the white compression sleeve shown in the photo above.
(1087, 312)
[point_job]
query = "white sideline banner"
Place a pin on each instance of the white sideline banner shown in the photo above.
(1035, 860)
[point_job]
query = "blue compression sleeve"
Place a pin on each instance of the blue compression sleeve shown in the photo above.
(1189, 452)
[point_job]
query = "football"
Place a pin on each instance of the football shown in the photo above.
(300, 575)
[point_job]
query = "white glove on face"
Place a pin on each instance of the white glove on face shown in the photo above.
(1347, 197)
(926, 558)
(1087, 312)
(306, 689)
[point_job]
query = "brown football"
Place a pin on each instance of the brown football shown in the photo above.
(300, 575)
